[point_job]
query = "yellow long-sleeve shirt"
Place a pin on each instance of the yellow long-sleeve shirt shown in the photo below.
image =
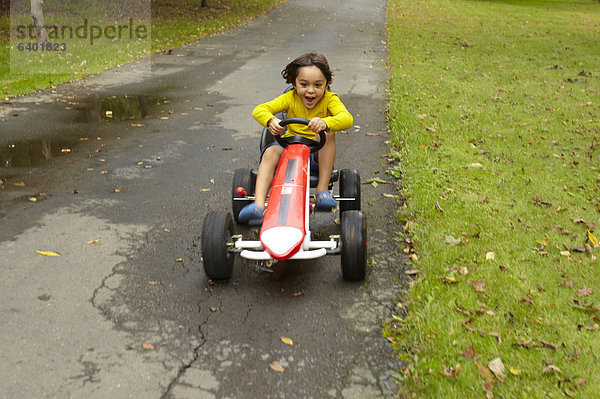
(330, 109)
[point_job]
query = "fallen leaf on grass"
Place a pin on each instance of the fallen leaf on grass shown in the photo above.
(548, 344)
(584, 291)
(449, 280)
(543, 204)
(47, 253)
(479, 286)
(451, 371)
(475, 165)
(497, 367)
(276, 367)
(514, 371)
(438, 207)
(592, 239)
(490, 256)
(487, 387)
(450, 240)
(483, 372)
(551, 369)
(589, 225)
(469, 352)
(526, 344)
(568, 284)
(287, 341)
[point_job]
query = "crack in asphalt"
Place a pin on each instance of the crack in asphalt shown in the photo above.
(197, 348)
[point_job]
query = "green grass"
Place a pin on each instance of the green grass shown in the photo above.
(172, 24)
(494, 112)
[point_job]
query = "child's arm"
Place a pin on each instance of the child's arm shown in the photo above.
(264, 113)
(340, 118)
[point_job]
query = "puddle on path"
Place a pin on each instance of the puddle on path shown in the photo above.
(113, 109)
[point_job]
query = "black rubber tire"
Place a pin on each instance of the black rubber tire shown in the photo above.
(241, 178)
(216, 233)
(349, 188)
(354, 246)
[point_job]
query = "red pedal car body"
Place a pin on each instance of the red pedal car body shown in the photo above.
(285, 232)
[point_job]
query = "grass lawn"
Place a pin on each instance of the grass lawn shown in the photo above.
(494, 113)
(173, 23)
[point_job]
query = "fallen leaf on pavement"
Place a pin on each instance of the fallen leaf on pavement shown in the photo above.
(47, 253)
(92, 242)
(148, 347)
(276, 367)
(287, 341)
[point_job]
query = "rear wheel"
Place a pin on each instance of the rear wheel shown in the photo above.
(354, 245)
(349, 188)
(216, 235)
(241, 178)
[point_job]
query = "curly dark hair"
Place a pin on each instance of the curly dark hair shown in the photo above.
(291, 70)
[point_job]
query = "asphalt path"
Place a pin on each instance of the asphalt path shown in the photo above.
(126, 309)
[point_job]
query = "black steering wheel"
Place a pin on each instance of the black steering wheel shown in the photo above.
(313, 145)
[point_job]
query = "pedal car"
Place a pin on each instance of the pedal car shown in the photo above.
(285, 233)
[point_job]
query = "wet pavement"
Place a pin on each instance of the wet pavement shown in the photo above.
(115, 173)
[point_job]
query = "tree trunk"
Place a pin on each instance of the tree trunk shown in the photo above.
(37, 14)
(203, 3)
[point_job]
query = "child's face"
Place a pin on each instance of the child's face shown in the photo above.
(310, 85)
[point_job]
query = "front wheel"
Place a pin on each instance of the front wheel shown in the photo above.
(217, 231)
(354, 245)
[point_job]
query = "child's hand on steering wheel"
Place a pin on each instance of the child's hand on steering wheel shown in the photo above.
(317, 125)
(274, 127)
